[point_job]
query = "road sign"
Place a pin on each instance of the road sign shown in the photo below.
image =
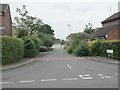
(109, 51)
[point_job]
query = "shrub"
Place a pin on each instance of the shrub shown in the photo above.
(94, 47)
(47, 40)
(30, 49)
(37, 43)
(12, 49)
(73, 45)
(99, 48)
(81, 50)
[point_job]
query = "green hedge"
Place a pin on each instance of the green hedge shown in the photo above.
(12, 49)
(29, 47)
(99, 48)
(78, 48)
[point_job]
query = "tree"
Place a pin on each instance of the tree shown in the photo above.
(26, 24)
(45, 28)
(80, 36)
(47, 39)
(89, 29)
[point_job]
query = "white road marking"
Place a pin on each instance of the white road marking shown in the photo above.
(6, 82)
(48, 80)
(69, 66)
(107, 76)
(100, 74)
(86, 77)
(104, 76)
(27, 81)
(70, 79)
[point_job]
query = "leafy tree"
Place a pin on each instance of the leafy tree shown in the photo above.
(80, 36)
(47, 39)
(26, 24)
(45, 28)
(89, 29)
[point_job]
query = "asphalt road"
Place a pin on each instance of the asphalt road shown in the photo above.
(57, 69)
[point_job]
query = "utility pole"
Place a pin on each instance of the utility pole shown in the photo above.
(69, 27)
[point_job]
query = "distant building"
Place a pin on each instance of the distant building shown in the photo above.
(69, 37)
(110, 29)
(5, 20)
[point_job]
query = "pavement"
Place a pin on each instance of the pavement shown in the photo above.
(58, 69)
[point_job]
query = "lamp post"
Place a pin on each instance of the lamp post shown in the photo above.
(69, 27)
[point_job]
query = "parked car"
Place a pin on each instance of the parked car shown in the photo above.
(43, 49)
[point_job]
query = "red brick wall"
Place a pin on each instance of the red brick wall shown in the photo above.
(115, 35)
(110, 23)
(1, 21)
(7, 23)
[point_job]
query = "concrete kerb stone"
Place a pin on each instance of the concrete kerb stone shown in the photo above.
(106, 61)
(18, 65)
(21, 64)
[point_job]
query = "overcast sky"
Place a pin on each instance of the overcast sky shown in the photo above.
(59, 13)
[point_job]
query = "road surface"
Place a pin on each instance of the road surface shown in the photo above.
(57, 69)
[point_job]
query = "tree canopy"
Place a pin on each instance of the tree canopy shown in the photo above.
(30, 25)
(88, 28)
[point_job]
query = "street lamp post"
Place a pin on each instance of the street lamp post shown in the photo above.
(69, 27)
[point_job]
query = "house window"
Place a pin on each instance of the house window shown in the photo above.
(2, 30)
(0, 13)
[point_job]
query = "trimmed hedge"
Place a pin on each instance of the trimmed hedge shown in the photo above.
(12, 49)
(29, 47)
(99, 48)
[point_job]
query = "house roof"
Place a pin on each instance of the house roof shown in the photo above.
(102, 32)
(3, 7)
(113, 17)
(70, 35)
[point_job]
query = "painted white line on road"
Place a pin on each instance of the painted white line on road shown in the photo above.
(69, 66)
(70, 79)
(5, 82)
(27, 81)
(48, 80)
(108, 77)
(86, 77)
(100, 74)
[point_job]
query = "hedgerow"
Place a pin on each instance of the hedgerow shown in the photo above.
(12, 49)
(100, 47)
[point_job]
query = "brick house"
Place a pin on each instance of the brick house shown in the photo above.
(110, 29)
(5, 20)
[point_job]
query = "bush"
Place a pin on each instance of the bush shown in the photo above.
(73, 45)
(81, 50)
(12, 49)
(47, 40)
(99, 48)
(37, 43)
(94, 47)
(30, 48)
